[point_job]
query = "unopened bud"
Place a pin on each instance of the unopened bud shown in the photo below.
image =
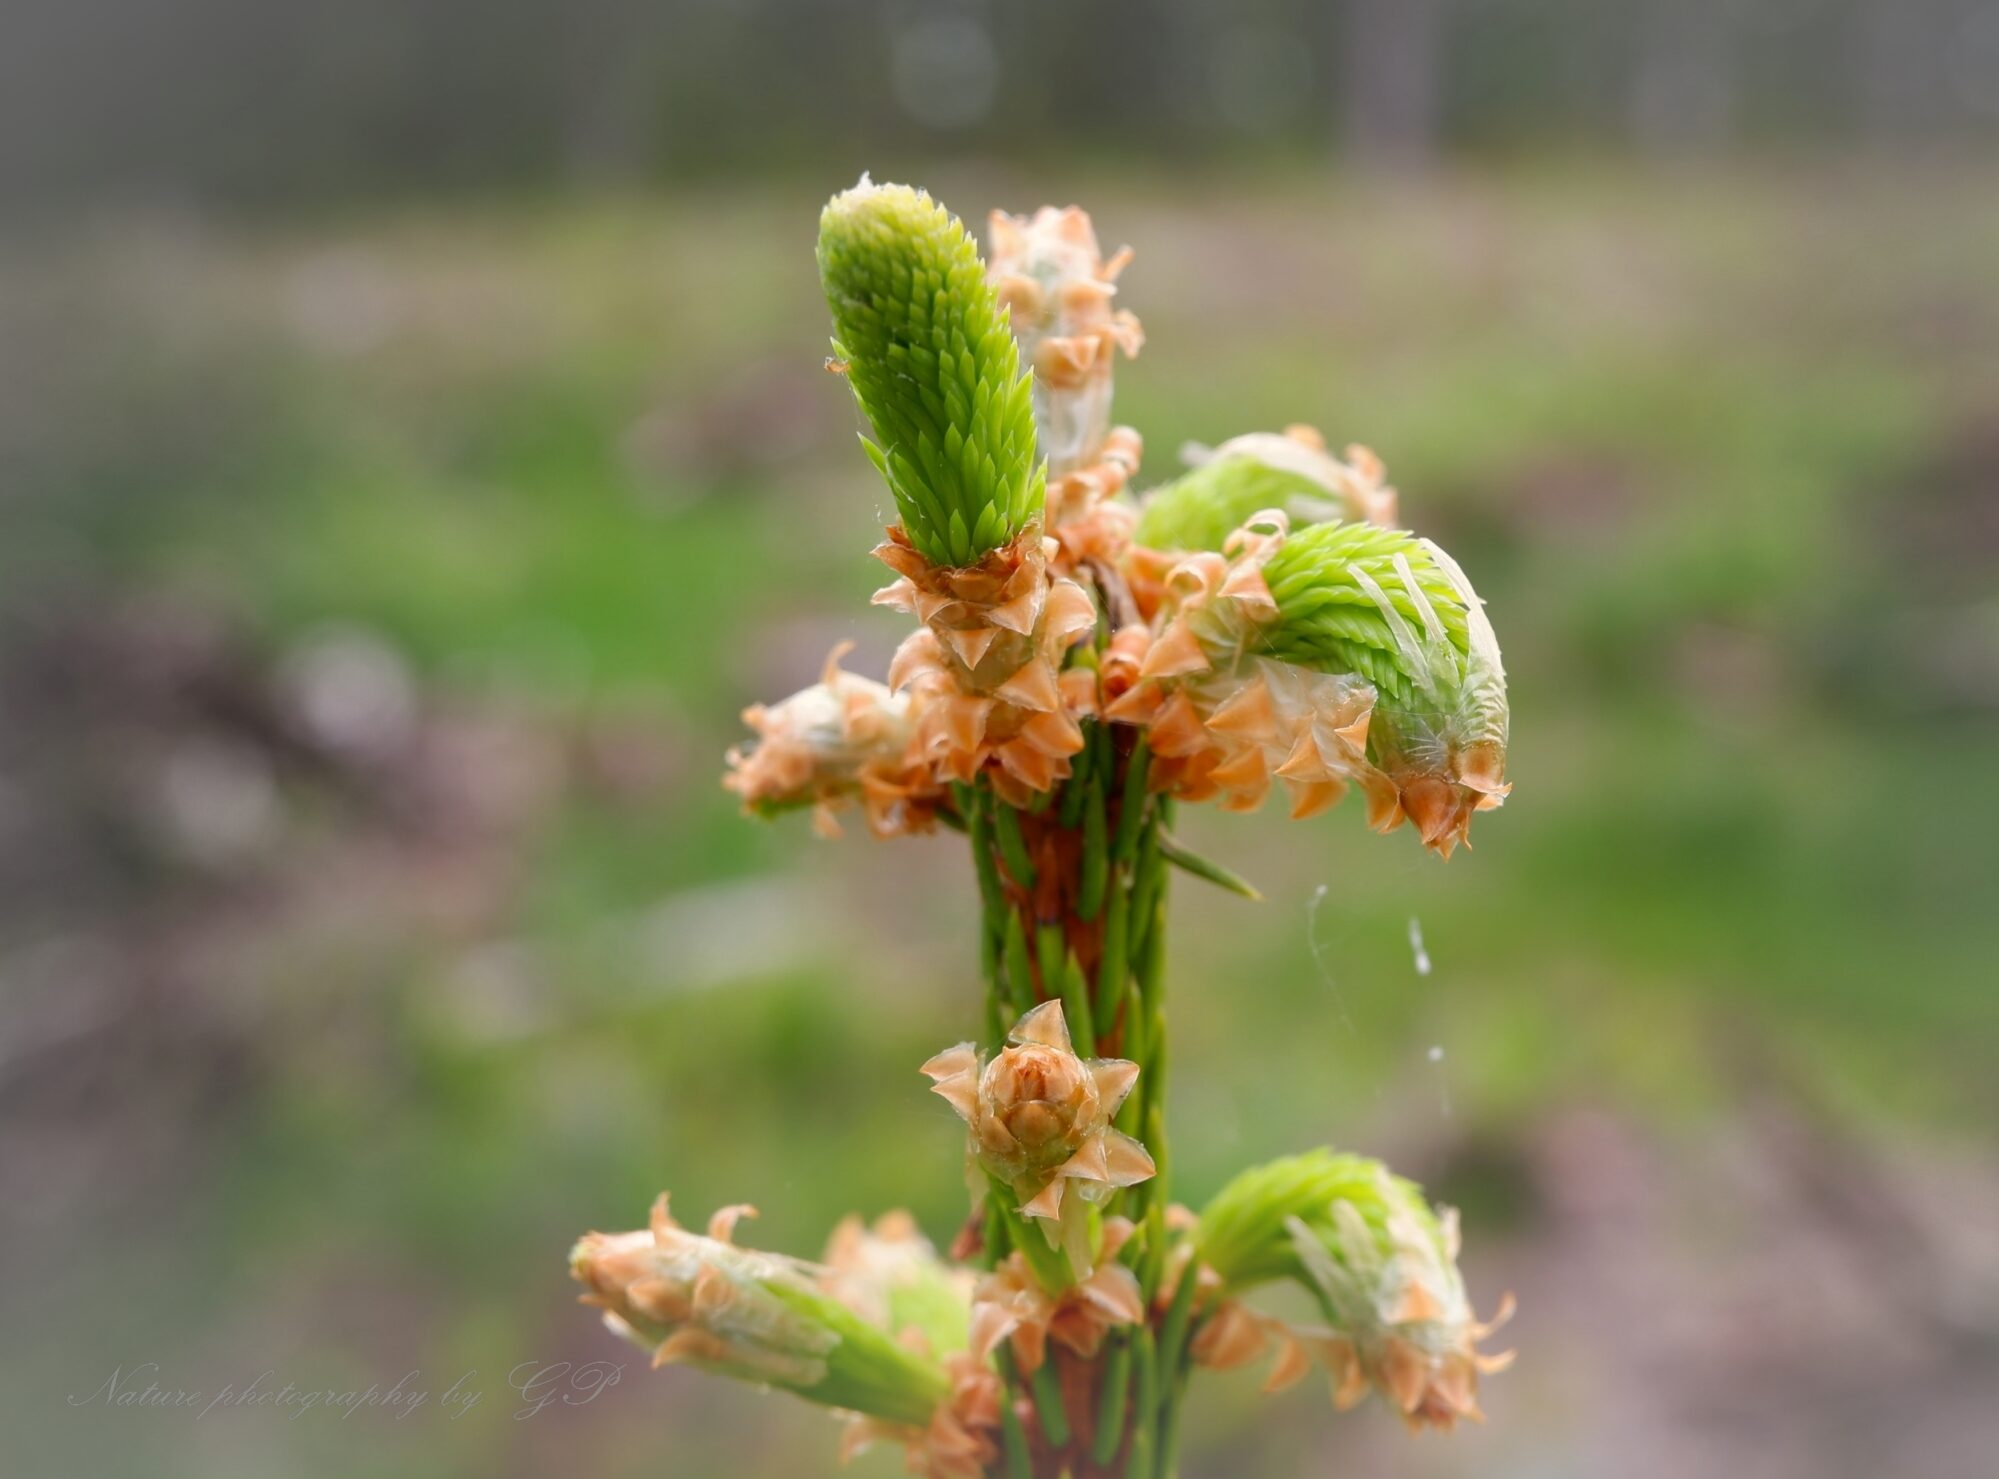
(1040, 1116)
(845, 738)
(1291, 471)
(751, 1315)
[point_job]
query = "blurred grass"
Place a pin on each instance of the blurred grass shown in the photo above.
(1690, 435)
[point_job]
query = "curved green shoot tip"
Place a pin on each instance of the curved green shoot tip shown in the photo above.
(935, 368)
(1356, 598)
(1397, 610)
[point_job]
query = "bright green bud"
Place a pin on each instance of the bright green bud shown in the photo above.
(757, 1317)
(1291, 472)
(1200, 510)
(1354, 598)
(1243, 1233)
(935, 368)
(1385, 1272)
(1350, 597)
(1397, 611)
(1382, 1265)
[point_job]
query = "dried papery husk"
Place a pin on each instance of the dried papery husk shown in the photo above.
(1049, 273)
(1267, 723)
(889, 1274)
(1225, 725)
(960, 1442)
(1039, 1118)
(1082, 512)
(1229, 1333)
(1234, 1335)
(1144, 570)
(1010, 1305)
(985, 672)
(1122, 661)
(841, 741)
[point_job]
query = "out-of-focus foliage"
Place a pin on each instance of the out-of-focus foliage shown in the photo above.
(407, 925)
(155, 101)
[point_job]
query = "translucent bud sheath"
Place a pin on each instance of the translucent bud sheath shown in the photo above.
(935, 369)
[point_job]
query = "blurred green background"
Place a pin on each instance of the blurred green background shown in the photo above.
(414, 452)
